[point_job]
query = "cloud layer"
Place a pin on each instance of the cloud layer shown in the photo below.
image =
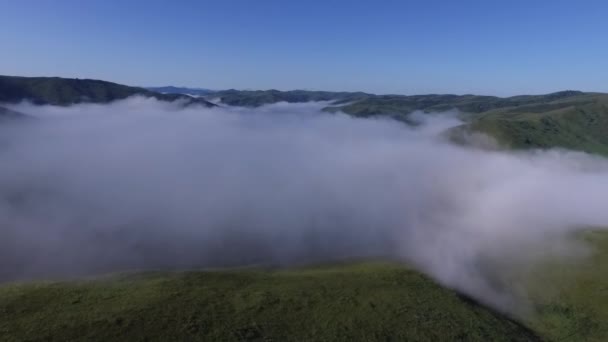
(141, 184)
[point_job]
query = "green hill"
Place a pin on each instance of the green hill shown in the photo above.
(567, 119)
(66, 91)
(578, 123)
(364, 104)
(356, 302)
(368, 301)
(571, 299)
(348, 302)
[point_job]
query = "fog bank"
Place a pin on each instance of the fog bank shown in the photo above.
(141, 184)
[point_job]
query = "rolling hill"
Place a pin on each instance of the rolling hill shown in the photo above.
(577, 123)
(403, 104)
(567, 119)
(66, 91)
(371, 301)
(345, 302)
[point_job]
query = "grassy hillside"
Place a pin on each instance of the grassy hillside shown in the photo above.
(580, 124)
(66, 91)
(401, 105)
(352, 302)
(567, 119)
(356, 302)
(571, 300)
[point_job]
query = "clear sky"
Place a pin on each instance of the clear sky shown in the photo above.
(411, 47)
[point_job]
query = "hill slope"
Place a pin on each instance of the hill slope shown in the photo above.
(578, 123)
(571, 299)
(345, 303)
(567, 119)
(66, 91)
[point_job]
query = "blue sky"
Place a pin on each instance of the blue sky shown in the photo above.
(410, 47)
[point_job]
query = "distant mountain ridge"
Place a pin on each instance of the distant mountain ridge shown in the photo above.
(66, 91)
(181, 90)
(256, 98)
(567, 119)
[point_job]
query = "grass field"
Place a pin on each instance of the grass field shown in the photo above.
(354, 302)
(371, 301)
(571, 300)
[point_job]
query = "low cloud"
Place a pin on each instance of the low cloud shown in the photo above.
(141, 184)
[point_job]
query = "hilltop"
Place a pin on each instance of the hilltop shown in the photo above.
(67, 91)
(567, 119)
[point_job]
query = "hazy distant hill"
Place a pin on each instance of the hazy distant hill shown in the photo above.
(66, 91)
(181, 90)
(568, 119)
(256, 98)
(397, 105)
